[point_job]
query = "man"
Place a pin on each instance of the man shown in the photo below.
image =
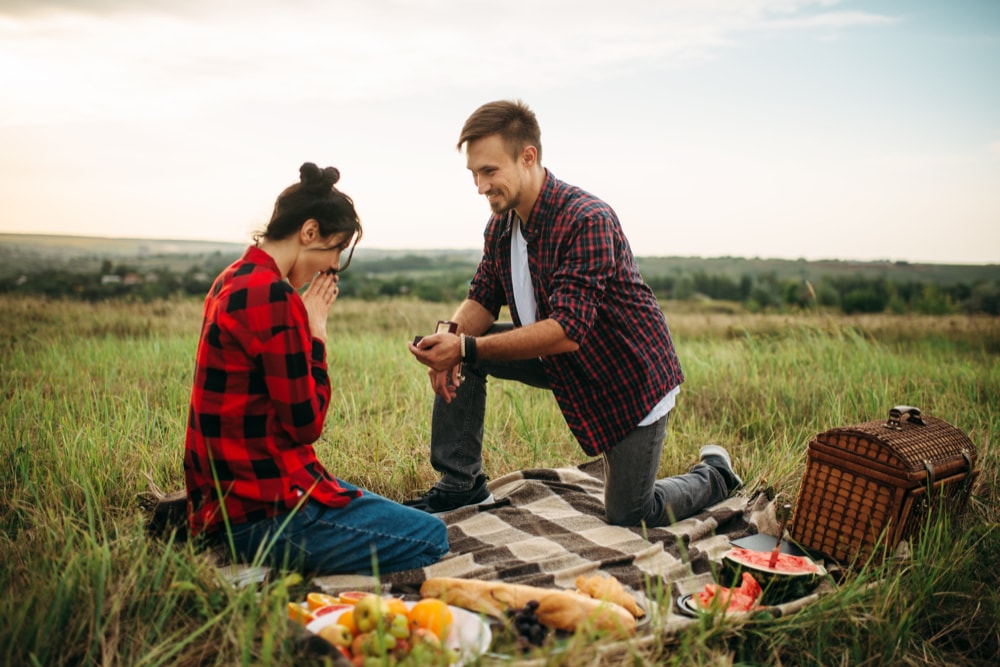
(585, 326)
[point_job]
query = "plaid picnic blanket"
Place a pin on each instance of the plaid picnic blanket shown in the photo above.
(548, 526)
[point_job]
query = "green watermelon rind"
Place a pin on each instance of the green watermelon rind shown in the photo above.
(778, 587)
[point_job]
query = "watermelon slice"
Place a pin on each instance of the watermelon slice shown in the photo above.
(789, 578)
(741, 598)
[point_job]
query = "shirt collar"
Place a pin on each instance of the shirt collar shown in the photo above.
(532, 227)
(255, 255)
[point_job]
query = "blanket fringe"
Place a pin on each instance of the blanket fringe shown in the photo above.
(166, 512)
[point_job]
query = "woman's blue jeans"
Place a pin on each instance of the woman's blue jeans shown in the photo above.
(370, 531)
(632, 493)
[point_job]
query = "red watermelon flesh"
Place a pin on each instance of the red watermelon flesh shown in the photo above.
(791, 577)
(741, 598)
(785, 564)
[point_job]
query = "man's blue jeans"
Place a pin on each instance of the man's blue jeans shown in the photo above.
(324, 540)
(632, 493)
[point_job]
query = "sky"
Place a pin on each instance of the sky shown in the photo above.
(795, 129)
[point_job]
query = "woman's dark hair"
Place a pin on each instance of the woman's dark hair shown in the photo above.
(314, 197)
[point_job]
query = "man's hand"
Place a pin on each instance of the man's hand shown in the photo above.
(318, 299)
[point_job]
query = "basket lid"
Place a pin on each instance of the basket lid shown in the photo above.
(917, 442)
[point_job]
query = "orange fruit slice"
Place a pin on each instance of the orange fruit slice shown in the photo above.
(351, 597)
(300, 613)
(317, 600)
(332, 609)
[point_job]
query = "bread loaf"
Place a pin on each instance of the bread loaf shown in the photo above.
(562, 610)
(609, 588)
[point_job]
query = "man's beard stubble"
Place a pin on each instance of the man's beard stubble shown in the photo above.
(499, 207)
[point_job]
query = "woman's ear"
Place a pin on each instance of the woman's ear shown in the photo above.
(309, 231)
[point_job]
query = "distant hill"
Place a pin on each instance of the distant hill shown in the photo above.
(85, 254)
(32, 252)
(788, 269)
(44, 246)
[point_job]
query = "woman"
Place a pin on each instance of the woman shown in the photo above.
(260, 397)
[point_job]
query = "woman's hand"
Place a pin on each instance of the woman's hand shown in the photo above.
(442, 355)
(318, 298)
(445, 383)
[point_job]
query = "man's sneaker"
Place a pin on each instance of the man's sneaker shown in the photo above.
(437, 501)
(718, 458)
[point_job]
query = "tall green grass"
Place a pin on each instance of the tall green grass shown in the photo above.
(93, 397)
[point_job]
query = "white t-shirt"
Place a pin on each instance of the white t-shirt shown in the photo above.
(524, 296)
(527, 309)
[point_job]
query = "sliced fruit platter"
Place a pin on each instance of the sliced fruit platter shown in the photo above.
(450, 624)
(369, 628)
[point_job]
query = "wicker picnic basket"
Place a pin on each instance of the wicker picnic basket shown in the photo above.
(869, 486)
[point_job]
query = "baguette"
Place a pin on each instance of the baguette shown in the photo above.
(559, 609)
(609, 588)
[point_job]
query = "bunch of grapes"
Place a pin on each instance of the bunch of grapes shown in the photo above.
(529, 631)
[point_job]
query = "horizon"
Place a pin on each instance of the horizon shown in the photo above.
(366, 249)
(789, 129)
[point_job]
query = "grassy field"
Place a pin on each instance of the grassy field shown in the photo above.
(94, 397)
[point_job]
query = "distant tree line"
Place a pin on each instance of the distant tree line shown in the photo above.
(425, 279)
(850, 295)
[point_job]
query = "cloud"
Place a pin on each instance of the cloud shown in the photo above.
(64, 61)
(831, 20)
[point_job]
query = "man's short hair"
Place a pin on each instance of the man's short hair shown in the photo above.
(511, 119)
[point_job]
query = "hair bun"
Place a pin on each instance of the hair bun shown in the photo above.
(314, 178)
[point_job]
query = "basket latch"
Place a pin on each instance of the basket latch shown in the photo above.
(896, 415)
(929, 467)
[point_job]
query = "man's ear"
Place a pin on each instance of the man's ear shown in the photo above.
(529, 156)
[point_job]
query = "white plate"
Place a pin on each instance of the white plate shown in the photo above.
(470, 635)
(689, 606)
(686, 605)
